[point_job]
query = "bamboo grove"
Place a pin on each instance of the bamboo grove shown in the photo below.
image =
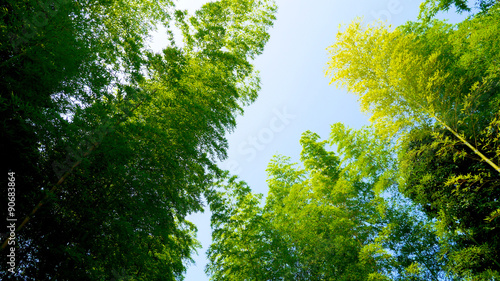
(112, 145)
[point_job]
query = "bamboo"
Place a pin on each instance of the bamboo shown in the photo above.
(59, 182)
(468, 144)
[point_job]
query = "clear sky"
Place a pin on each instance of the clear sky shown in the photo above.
(295, 94)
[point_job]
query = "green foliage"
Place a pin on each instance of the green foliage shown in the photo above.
(429, 8)
(325, 221)
(434, 87)
(409, 76)
(455, 187)
(121, 142)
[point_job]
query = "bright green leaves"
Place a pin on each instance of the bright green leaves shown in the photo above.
(315, 158)
(229, 40)
(429, 8)
(236, 221)
(240, 27)
(362, 148)
(326, 221)
(418, 72)
(434, 87)
(395, 78)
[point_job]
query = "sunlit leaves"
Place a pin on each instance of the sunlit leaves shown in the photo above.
(155, 124)
(434, 87)
(323, 221)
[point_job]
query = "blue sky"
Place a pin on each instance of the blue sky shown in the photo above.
(296, 95)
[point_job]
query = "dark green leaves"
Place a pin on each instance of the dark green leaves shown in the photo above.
(134, 134)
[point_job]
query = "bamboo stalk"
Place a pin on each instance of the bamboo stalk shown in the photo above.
(468, 144)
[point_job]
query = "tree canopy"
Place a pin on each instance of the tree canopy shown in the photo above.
(118, 142)
(327, 220)
(111, 146)
(433, 87)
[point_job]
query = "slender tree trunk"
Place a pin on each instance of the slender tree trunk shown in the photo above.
(468, 144)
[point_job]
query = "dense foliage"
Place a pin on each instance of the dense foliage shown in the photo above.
(433, 88)
(112, 145)
(329, 220)
(415, 197)
(118, 143)
(429, 8)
